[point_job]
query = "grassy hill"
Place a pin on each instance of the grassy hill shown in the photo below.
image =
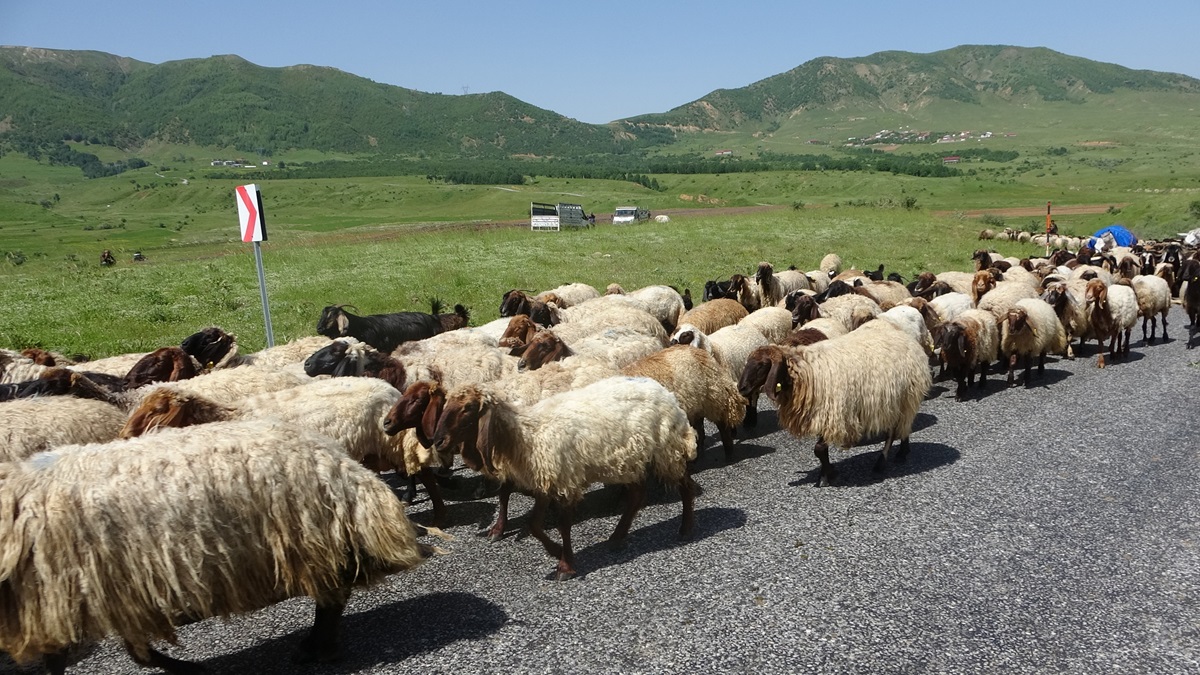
(226, 101)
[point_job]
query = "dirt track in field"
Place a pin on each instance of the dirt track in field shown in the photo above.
(1076, 210)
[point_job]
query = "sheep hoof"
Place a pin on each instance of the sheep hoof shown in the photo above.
(563, 573)
(880, 464)
(617, 545)
(310, 652)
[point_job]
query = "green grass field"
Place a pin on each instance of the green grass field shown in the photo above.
(382, 244)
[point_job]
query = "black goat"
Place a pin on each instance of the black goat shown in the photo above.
(57, 382)
(876, 275)
(459, 318)
(719, 289)
(209, 345)
(338, 360)
(384, 332)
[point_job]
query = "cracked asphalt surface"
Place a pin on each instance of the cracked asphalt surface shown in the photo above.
(1042, 529)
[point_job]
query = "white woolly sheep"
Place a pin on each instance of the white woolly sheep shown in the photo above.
(349, 409)
(184, 525)
(1004, 297)
(773, 322)
(871, 380)
(852, 310)
(831, 265)
(702, 386)
(1067, 299)
(1153, 298)
(885, 292)
(662, 302)
(731, 346)
(1112, 312)
(32, 425)
(1031, 328)
(910, 321)
(617, 347)
(568, 295)
(967, 342)
(614, 432)
(228, 385)
(959, 282)
(596, 316)
(951, 305)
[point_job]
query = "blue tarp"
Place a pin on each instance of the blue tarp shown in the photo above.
(1121, 236)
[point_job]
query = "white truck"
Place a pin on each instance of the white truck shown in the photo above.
(552, 217)
(623, 215)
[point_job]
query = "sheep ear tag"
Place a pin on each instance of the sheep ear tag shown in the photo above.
(774, 385)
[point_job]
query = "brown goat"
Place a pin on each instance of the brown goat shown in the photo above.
(519, 302)
(170, 408)
(543, 348)
(520, 331)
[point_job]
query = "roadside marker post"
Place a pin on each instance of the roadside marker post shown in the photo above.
(1049, 225)
(254, 229)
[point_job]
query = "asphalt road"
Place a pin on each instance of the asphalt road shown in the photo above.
(1048, 529)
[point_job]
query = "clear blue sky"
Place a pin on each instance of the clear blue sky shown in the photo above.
(597, 61)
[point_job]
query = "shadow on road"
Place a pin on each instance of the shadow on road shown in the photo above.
(657, 537)
(383, 635)
(857, 468)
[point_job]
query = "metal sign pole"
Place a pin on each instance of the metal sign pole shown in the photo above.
(262, 289)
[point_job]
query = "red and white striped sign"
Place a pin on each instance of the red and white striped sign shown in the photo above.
(250, 214)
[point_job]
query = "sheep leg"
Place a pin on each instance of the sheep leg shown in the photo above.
(821, 450)
(566, 561)
(881, 463)
(1099, 351)
(1145, 320)
(410, 490)
(537, 524)
(1041, 364)
(687, 492)
(56, 663)
(1012, 366)
(726, 432)
(1164, 317)
(1125, 344)
(161, 661)
(635, 495)
(961, 392)
(902, 453)
(435, 495)
(496, 531)
(321, 643)
(751, 419)
(698, 427)
(982, 376)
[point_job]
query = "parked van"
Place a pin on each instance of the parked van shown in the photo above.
(629, 214)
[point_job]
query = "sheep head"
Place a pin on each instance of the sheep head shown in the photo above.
(466, 424)
(170, 408)
(333, 322)
(209, 345)
(955, 343)
(804, 309)
(981, 284)
(614, 289)
(511, 303)
(686, 334)
(766, 368)
(520, 331)
(328, 360)
(765, 272)
(165, 364)
(1097, 294)
(419, 407)
(1018, 321)
(543, 348)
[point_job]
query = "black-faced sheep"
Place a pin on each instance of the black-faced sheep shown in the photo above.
(969, 342)
(871, 380)
(384, 332)
(614, 432)
(1190, 273)
(184, 525)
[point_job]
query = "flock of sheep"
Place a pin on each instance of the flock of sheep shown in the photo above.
(145, 491)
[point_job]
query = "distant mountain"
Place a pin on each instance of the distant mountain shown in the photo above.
(228, 101)
(904, 82)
